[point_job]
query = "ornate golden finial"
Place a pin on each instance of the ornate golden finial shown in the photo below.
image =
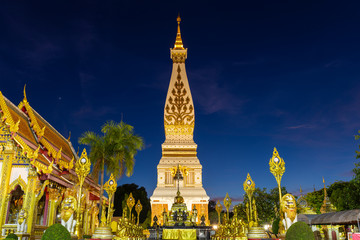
(25, 98)
(178, 41)
(300, 190)
(69, 136)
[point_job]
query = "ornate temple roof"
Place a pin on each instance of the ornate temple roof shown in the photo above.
(39, 141)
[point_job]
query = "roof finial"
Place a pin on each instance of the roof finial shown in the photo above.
(25, 98)
(178, 41)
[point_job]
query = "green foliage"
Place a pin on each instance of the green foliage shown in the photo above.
(56, 232)
(315, 200)
(267, 204)
(344, 195)
(12, 236)
(86, 236)
(275, 226)
(357, 137)
(115, 150)
(121, 195)
(299, 231)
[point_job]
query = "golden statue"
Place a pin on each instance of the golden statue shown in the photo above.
(68, 208)
(288, 210)
(21, 223)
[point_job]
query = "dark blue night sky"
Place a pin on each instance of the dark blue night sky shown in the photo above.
(263, 74)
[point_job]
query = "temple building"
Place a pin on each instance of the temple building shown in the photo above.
(37, 175)
(179, 148)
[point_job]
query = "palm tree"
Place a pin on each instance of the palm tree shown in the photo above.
(114, 150)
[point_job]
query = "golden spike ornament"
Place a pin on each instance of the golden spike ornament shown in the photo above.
(138, 209)
(218, 209)
(227, 204)
(130, 203)
(82, 169)
(178, 41)
(110, 188)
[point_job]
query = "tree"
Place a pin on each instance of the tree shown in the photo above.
(213, 215)
(344, 195)
(121, 195)
(357, 137)
(114, 150)
(266, 204)
(315, 200)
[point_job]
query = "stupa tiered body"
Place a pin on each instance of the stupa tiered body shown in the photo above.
(179, 147)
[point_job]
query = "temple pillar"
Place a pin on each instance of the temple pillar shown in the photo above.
(86, 221)
(8, 155)
(30, 199)
(54, 201)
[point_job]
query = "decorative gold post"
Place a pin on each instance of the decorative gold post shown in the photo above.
(138, 209)
(277, 168)
(82, 169)
(249, 188)
(218, 208)
(110, 188)
(227, 204)
(130, 203)
(255, 232)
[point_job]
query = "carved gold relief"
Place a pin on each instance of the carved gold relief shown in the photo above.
(179, 111)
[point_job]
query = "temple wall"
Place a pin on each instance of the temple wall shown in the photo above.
(158, 209)
(19, 170)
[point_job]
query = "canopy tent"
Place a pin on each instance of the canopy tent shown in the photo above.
(333, 218)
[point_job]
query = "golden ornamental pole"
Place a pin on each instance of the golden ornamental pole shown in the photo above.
(218, 209)
(130, 203)
(82, 169)
(227, 204)
(277, 168)
(138, 209)
(110, 188)
(249, 188)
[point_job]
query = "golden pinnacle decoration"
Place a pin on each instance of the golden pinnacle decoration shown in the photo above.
(227, 204)
(130, 203)
(277, 168)
(178, 41)
(218, 209)
(138, 208)
(82, 169)
(110, 188)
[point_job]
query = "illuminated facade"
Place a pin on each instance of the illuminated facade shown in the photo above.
(179, 148)
(36, 167)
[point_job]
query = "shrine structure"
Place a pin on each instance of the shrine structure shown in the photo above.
(179, 149)
(37, 177)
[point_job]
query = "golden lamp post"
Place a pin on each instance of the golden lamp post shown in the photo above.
(249, 188)
(255, 231)
(277, 168)
(138, 208)
(130, 203)
(227, 204)
(110, 188)
(82, 169)
(218, 209)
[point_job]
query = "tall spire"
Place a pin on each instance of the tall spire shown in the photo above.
(178, 41)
